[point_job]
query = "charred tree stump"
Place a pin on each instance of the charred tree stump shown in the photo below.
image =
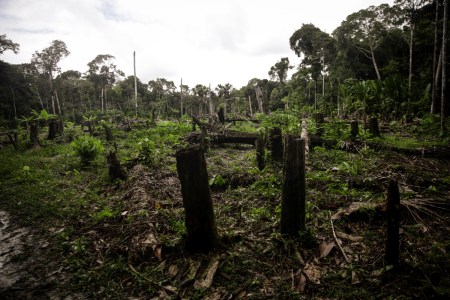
(221, 115)
(373, 127)
(294, 191)
(259, 145)
(115, 170)
(59, 127)
(52, 130)
(354, 129)
(276, 144)
(108, 134)
(392, 251)
(34, 137)
(200, 223)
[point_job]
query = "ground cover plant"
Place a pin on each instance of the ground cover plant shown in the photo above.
(96, 238)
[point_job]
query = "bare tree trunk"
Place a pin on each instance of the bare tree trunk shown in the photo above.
(434, 84)
(102, 99)
(250, 105)
(276, 144)
(57, 103)
(211, 107)
(444, 68)
(374, 61)
(411, 41)
(14, 101)
(135, 83)
(181, 98)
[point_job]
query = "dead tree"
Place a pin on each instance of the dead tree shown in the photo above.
(294, 191)
(200, 222)
(392, 251)
(221, 115)
(276, 144)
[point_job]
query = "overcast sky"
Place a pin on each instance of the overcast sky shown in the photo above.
(201, 41)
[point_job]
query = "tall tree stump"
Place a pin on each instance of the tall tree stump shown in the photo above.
(108, 133)
(354, 128)
(200, 222)
(373, 127)
(34, 137)
(221, 115)
(115, 170)
(52, 130)
(276, 144)
(259, 145)
(392, 251)
(294, 188)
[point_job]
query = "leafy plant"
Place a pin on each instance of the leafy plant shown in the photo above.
(88, 148)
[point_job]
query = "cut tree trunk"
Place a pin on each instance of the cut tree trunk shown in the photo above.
(276, 144)
(373, 127)
(393, 225)
(200, 222)
(221, 115)
(354, 129)
(14, 139)
(34, 137)
(52, 130)
(294, 192)
(115, 170)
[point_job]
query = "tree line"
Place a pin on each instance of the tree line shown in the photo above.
(384, 60)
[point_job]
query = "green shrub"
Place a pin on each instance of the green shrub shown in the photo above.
(88, 148)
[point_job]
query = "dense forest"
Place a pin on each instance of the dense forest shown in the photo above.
(333, 183)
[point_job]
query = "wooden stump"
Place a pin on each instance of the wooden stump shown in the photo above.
(373, 127)
(34, 137)
(354, 129)
(392, 251)
(276, 144)
(259, 145)
(108, 134)
(200, 222)
(115, 170)
(52, 130)
(221, 115)
(294, 191)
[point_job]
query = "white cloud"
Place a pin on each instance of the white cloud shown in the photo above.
(203, 41)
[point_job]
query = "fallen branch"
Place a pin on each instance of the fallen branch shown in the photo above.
(337, 241)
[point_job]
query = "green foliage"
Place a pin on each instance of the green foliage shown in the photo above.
(289, 121)
(87, 148)
(148, 152)
(217, 181)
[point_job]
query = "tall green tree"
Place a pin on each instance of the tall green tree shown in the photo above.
(46, 62)
(103, 73)
(366, 29)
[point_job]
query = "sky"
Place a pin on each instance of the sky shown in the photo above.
(201, 41)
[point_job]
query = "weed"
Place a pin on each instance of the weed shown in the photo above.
(88, 148)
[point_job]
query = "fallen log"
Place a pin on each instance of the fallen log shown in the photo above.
(226, 138)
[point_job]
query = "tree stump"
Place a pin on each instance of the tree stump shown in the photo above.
(200, 222)
(294, 188)
(34, 137)
(392, 251)
(373, 127)
(276, 144)
(108, 134)
(115, 170)
(354, 129)
(259, 145)
(221, 115)
(52, 130)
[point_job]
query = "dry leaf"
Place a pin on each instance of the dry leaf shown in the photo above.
(173, 271)
(355, 279)
(302, 283)
(158, 254)
(325, 248)
(312, 273)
